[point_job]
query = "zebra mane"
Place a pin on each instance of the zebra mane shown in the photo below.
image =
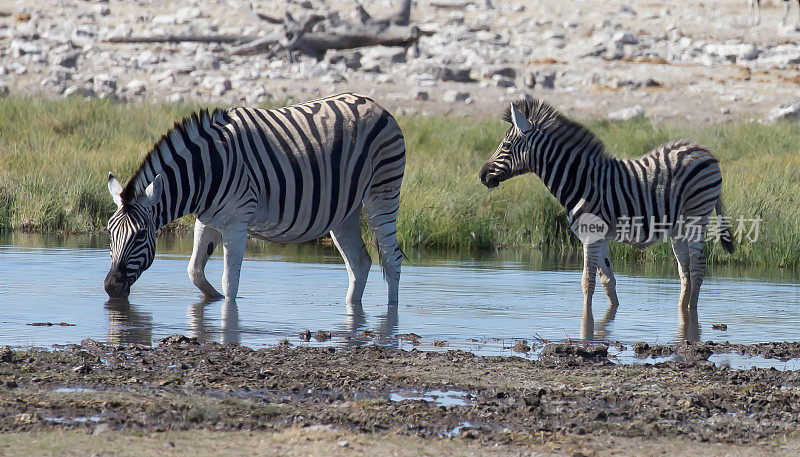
(197, 117)
(543, 116)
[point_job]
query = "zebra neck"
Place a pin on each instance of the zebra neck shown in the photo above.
(192, 160)
(572, 175)
(180, 195)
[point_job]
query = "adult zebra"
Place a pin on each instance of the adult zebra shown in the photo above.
(286, 175)
(670, 191)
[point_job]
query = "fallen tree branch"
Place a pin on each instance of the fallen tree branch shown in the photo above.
(183, 39)
(270, 19)
(317, 43)
(396, 36)
(450, 4)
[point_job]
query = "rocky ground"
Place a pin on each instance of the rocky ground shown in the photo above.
(571, 400)
(685, 61)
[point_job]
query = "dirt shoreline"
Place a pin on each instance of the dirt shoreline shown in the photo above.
(567, 396)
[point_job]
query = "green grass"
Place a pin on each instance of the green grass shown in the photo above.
(54, 156)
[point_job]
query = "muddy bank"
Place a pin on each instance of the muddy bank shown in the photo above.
(182, 384)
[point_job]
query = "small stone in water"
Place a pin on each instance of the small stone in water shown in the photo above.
(322, 335)
(522, 346)
(720, 326)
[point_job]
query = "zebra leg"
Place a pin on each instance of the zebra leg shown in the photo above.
(381, 208)
(681, 249)
(591, 255)
(607, 276)
(697, 265)
(234, 240)
(347, 238)
(205, 240)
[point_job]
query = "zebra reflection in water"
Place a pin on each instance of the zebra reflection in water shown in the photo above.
(126, 325)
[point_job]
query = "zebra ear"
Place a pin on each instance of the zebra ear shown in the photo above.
(153, 192)
(115, 189)
(519, 121)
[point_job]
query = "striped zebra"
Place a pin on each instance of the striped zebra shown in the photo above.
(668, 192)
(285, 175)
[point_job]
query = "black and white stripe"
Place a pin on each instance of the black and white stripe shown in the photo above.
(670, 191)
(286, 175)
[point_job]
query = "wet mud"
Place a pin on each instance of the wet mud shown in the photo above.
(569, 390)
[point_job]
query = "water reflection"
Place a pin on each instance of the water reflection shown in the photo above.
(389, 322)
(126, 325)
(355, 319)
(444, 297)
(591, 331)
(356, 323)
(688, 325)
(203, 329)
(230, 323)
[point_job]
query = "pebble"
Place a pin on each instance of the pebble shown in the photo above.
(455, 96)
(789, 110)
(626, 114)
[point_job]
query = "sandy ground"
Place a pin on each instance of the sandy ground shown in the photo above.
(330, 443)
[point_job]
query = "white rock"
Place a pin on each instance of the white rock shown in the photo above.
(625, 38)
(104, 82)
(788, 110)
(164, 20)
(82, 91)
(455, 96)
(383, 54)
(20, 48)
(626, 113)
(732, 52)
(135, 87)
(101, 10)
(503, 81)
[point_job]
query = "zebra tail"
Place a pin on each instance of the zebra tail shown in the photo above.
(725, 229)
(380, 259)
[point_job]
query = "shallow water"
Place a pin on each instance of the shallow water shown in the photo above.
(483, 303)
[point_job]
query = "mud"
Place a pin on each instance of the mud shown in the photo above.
(780, 350)
(570, 391)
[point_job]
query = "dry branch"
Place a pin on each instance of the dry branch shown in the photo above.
(182, 39)
(295, 35)
(396, 36)
(449, 4)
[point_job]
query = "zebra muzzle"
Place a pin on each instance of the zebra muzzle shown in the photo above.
(490, 180)
(116, 285)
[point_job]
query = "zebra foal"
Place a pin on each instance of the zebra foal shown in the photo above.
(669, 192)
(286, 175)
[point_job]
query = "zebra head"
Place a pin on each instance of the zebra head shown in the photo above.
(512, 156)
(132, 230)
